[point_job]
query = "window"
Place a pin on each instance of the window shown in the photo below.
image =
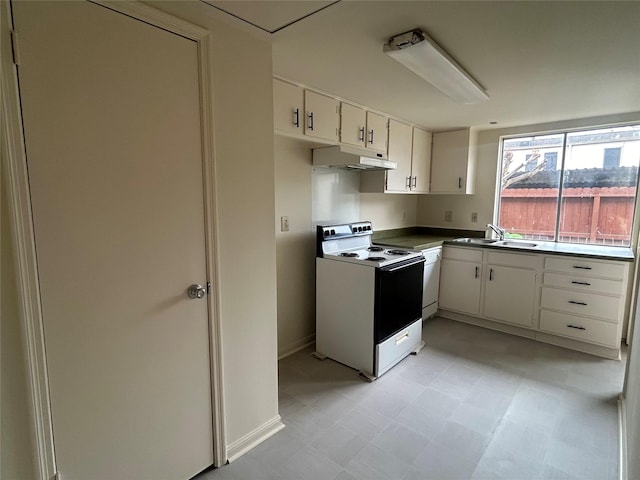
(551, 161)
(611, 157)
(577, 187)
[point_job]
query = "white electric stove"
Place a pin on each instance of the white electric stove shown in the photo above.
(368, 299)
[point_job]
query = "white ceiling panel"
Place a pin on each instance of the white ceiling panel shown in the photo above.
(269, 15)
(540, 61)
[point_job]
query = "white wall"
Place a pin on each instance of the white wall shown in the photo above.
(295, 248)
(632, 400)
(16, 461)
(388, 211)
(243, 121)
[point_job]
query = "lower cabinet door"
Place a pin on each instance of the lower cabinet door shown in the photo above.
(580, 328)
(509, 294)
(460, 286)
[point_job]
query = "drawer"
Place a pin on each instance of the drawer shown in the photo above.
(595, 285)
(580, 266)
(398, 346)
(585, 329)
(581, 303)
(514, 260)
(465, 254)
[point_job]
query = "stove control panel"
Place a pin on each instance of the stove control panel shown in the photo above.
(346, 230)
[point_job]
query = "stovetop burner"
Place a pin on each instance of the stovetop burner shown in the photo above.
(375, 249)
(397, 252)
(376, 259)
(349, 254)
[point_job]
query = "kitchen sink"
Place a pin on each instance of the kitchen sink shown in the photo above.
(476, 240)
(515, 243)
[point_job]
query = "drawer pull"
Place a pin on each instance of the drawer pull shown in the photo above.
(402, 338)
(581, 283)
(577, 328)
(582, 268)
(578, 303)
(296, 118)
(476, 272)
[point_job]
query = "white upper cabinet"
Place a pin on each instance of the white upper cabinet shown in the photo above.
(322, 116)
(410, 148)
(377, 132)
(303, 113)
(420, 161)
(288, 107)
(453, 162)
(400, 138)
(353, 125)
(361, 128)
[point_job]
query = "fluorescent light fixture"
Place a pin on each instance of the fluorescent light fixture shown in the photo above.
(424, 57)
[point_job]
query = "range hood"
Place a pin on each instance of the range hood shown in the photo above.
(345, 156)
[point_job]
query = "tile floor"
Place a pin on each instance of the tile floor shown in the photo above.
(473, 404)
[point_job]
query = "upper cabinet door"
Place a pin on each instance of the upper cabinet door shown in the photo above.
(322, 116)
(400, 134)
(453, 162)
(376, 134)
(420, 161)
(288, 112)
(352, 125)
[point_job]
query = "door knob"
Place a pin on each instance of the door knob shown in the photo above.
(196, 291)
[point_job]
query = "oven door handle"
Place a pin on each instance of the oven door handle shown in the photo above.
(399, 266)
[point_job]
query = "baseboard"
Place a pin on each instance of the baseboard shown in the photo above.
(598, 350)
(481, 322)
(296, 346)
(244, 444)
(622, 436)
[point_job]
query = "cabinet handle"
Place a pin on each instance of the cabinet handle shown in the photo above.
(490, 274)
(476, 272)
(582, 268)
(415, 182)
(407, 182)
(580, 283)
(361, 137)
(296, 118)
(577, 303)
(371, 136)
(311, 121)
(577, 328)
(459, 182)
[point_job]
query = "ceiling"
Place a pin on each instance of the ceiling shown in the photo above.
(540, 61)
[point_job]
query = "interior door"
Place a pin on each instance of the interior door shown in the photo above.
(112, 131)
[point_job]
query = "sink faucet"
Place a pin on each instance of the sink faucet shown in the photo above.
(499, 231)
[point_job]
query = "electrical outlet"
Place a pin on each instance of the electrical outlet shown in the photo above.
(284, 224)
(474, 217)
(448, 216)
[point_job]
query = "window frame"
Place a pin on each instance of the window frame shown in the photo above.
(565, 132)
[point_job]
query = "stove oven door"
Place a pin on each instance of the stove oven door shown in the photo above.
(398, 297)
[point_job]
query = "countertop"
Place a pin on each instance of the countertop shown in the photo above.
(421, 240)
(414, 242)
(602, 252)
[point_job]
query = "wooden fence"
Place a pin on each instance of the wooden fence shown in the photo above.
(602, 215)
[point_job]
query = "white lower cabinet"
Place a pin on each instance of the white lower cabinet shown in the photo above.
(509, 294)
(584, 299)
(460, 280)
(557, 299)
(580, 328)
